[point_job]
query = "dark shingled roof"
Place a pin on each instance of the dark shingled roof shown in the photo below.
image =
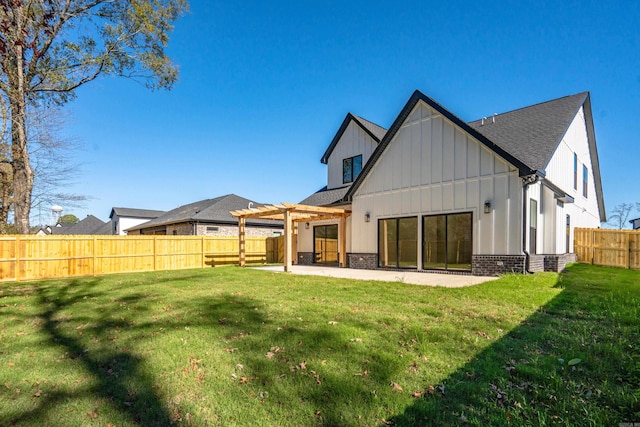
(136, 213)
(89, 225)
(209, 211)
(325, 197)
(376, 132)
(532, 134)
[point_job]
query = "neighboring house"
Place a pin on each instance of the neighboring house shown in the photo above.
(209, 217)
(89, 225)
(125, 218)
(495, 195)
(635, 223)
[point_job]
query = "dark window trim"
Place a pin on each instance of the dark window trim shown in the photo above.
(351, 178)
(446, 215)
(585, 181)
(397, 219)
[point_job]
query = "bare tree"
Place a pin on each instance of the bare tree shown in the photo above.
(49, 48)
(620, 215)
(52, 159)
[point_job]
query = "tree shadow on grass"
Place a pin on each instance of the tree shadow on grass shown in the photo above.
(575, 362)
(89, 339)
(118, 377)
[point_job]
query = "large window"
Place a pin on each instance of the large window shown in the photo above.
(398, 242)
(585, 180)
(447, 241)
(325, 244)
(351, 168)
(533, 225)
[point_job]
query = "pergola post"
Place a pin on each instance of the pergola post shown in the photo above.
(342, 240)
(241, 243)
(288, 230)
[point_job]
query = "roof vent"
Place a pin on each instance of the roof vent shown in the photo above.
(485, 119)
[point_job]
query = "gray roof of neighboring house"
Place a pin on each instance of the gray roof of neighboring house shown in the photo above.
(135, 213)
(325, 197)
(88, 225)
(376, 132)
(208, 211)
(532, 134)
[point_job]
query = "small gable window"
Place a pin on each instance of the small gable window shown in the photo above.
(351, 168)
(585, 180)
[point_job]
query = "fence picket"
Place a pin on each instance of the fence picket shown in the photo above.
(613, 248)
(47, 257)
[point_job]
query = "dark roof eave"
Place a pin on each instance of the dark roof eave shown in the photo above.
(523, 169)
(593, 151)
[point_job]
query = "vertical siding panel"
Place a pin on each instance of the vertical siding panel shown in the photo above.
(416, 154)
(460, 195)
(436, 150)
(486, 220)
(447, 197)
(460, 155)
(436, 198)
(499, 205)
(448, 141)
(473, 158)
(486, 162)
(425, 129)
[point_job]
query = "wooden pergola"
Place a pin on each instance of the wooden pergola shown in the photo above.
(291, 214)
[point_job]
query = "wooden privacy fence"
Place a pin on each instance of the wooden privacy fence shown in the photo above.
(612, 248)
(46, 257)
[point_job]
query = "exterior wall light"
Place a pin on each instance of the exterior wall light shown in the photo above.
(306, 225)
(367, 217)
(487, 207)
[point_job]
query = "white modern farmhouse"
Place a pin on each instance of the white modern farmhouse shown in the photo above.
(433, 192)
(500, 194)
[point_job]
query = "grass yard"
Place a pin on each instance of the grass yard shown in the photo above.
(230, 346)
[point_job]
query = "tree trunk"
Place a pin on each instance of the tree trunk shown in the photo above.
(22, 172)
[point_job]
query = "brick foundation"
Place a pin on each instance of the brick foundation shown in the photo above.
(362, 261)
(557, 263)
(492, 265)
(537, 263)
(305, 258)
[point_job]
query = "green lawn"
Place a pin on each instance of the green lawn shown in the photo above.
(230, 346)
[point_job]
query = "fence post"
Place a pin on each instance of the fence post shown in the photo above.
(628, 250)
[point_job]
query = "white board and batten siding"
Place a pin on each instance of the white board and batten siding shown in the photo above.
(584, 212)
(433, 167)
(353, 142)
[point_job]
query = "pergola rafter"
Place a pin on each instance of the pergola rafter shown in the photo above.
(292, 213)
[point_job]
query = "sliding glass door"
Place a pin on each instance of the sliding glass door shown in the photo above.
(398, 242)
(325, 244)
(447, 241)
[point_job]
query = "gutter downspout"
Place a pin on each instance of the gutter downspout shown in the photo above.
(526, 182)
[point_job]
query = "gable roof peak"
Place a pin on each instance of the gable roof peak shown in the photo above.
(376, 132)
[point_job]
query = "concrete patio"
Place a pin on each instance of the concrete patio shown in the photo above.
(413, 277)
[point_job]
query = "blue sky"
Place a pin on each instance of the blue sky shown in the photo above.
(264, 86)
